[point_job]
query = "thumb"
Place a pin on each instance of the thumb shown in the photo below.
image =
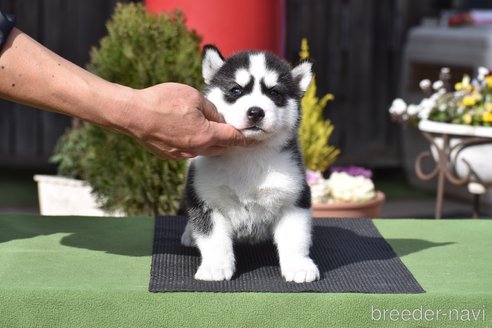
(227, 135)
(210, 111)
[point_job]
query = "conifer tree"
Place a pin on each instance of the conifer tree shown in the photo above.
(315, 130)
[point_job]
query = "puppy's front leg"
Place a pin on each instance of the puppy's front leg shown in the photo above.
(218, 261)
(292, 234)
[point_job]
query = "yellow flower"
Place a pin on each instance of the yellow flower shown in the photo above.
(488, 80)
(477, 96)
(458, 86)
(467, 118)
(487, 117)
(488, 106)
(469, 101)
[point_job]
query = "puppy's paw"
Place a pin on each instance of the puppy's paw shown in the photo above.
(214, 273)
(300, 270)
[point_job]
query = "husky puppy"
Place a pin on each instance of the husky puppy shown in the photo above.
(252, 194)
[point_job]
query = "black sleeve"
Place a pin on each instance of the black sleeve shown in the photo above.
(7, 22)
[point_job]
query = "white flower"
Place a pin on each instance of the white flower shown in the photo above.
(398, 107)
(424, 113)
(427, 103)
(482, 72)
(425, 84)
(413, 110)
(346, 188)
(320, 192)
(438, 85)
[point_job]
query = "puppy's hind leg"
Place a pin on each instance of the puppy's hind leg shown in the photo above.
(215, 246)
(187, 238)
(292, 235)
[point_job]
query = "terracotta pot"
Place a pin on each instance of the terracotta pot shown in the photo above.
(368, 209)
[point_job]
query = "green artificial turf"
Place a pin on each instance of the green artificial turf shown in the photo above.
(94, 272)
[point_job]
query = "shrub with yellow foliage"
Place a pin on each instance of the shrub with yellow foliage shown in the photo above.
(315, 131)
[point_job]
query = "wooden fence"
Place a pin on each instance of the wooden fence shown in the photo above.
(69, 28)
(356, 46)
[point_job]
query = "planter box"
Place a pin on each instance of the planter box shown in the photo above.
(64, 196)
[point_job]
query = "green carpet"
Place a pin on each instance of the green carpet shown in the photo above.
(94, 272)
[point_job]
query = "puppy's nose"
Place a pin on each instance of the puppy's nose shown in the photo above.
(255, 114)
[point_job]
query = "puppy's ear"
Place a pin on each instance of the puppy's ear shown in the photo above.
(211, 63)
(303, 74)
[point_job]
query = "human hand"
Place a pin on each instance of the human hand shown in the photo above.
(175, 121)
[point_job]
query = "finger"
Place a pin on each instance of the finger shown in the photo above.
(227, 135)
(210, 111)
(172, 154)
(213, 151)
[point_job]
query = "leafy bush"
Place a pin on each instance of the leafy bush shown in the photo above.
(140, 50)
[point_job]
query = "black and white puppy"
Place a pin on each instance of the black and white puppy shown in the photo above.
(252, 194)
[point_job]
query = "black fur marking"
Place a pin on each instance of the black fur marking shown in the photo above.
(208, 47)
(198, 213)
(304, 200)
(285, 78)
(292, 147)
(287, 87)
(278, 94)
(231, 97)
(225, 76)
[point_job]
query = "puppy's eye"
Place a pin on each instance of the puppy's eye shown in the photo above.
(274, 92)
(236, 91)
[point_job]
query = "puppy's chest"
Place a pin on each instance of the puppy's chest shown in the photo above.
(246, 187)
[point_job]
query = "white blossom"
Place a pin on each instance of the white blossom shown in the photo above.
(398, 107)
(413, 110)
(438, 85)
(425, 84)
(445, 70)
(346, 188)
(482, 72)
(320, 192)
(424, 113)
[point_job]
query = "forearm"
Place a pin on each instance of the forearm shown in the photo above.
(33, 75)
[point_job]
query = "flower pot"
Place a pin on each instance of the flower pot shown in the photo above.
(65, 196)
(368, 209)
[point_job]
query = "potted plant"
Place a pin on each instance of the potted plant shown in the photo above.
(348, 192)
(140, 50)
(451, 114)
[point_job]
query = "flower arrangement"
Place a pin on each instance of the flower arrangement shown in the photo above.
(345, 185)
(469, 102)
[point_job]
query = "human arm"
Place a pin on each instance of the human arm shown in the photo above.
(172, 120)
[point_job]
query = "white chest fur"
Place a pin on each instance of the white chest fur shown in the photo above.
(250, 188)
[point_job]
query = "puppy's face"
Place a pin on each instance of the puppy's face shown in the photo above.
(256, 92)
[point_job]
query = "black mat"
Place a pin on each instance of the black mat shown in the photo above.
(351, 254)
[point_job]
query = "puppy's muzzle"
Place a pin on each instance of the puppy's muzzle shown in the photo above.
(255, 114)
